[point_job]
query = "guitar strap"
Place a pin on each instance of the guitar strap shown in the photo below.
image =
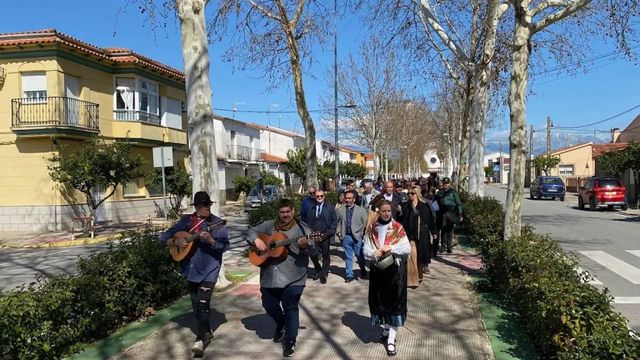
(304, 233)
(196, 226)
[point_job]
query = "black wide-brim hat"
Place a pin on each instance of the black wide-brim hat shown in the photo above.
(201, 198)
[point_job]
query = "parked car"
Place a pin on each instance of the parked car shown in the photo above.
(547, 186)
(269, 193)
(602, 191)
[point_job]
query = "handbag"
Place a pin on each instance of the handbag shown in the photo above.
(384, 262)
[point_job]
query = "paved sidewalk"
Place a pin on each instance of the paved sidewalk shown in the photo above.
(444, 320)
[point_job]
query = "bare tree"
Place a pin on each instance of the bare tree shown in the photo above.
(370, 81)
(475, 61)
(279, 37)
(611, 18)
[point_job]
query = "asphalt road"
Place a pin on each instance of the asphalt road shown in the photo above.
(606, 241)
(20, 266)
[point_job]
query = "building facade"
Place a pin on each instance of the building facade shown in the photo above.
(56, 89)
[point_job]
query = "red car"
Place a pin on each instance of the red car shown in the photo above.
(602, 191)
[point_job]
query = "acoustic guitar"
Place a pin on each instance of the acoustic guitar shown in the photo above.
(179, 254)
(276, 247)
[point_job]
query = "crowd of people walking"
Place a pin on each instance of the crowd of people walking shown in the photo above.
(391, 229)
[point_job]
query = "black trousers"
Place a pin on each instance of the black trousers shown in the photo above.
(281, 304)
(436, 241)
(200, 294)
(446, 231)
(326, 259)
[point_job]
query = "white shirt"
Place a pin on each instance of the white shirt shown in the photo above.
(382, 233)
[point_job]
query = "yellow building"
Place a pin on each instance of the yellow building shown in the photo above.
(57, 89)
(578, 162)
(351, 155)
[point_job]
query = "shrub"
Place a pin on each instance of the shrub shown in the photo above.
(268, 210)
(566, 317)
(53, 317)
(483, 218)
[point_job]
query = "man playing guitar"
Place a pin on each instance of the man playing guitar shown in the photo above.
(201, 269)
(282, 281)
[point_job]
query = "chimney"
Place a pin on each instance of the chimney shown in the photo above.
(615, 133)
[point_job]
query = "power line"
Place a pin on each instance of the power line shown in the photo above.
(268, 112)
(599, 121)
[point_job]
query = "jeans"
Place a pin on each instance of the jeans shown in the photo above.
(352, 246)
(200, 294)
(286, 315)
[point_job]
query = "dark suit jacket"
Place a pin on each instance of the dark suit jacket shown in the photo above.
(396, 200)
(326, 223)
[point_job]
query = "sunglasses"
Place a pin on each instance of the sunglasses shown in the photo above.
(319, 196)
(412, 193)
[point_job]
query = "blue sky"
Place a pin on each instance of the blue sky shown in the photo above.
(610, 87)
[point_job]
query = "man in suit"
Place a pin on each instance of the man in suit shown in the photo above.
(391, 195)
(352, 220)
(368, 195)
(322, 218)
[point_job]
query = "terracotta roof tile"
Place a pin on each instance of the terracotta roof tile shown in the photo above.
(272, 158)
(117, 55)
(601, 149)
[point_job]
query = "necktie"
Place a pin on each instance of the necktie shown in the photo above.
(318, 210)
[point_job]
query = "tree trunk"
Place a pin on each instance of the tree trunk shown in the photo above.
(303, 112)
(480, 101)
(463, 156)
(195, 52)
(517, 141)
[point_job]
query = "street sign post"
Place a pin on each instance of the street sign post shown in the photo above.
(163, 157)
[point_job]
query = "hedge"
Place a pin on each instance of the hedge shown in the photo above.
(565, 316)
(268, 211)
(55, 316)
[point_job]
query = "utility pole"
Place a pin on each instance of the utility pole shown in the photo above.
(531, 143)
(549, 126)
(335, 88)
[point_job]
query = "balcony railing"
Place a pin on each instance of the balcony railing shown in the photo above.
(54, 111)
(136, 115)
(241, 152)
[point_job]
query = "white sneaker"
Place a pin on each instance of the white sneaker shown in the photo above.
(198, 348)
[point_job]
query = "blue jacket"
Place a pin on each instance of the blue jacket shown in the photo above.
(326, 223)
(205, 263)
(307, 203)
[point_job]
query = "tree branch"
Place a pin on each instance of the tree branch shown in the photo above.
(296, 18)
(447, 64)
(427, 15)
(544, 5)
(574, 7)
(264, 11)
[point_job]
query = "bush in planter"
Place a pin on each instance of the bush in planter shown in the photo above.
(567, 318)
(53, 317)
(482, 218)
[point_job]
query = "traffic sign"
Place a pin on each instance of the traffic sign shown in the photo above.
(496, 167)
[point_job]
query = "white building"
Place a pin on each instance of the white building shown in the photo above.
(238, 151)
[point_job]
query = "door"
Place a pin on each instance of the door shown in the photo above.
(72, 104)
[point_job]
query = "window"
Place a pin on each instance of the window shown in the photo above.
(171, 113)
(125, 93)
(131, 188)
(148, 97)
(34, 86)
(565, 170)
(433, 160)
(136, 100)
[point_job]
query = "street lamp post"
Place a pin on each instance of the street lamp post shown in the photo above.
(335, 91)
